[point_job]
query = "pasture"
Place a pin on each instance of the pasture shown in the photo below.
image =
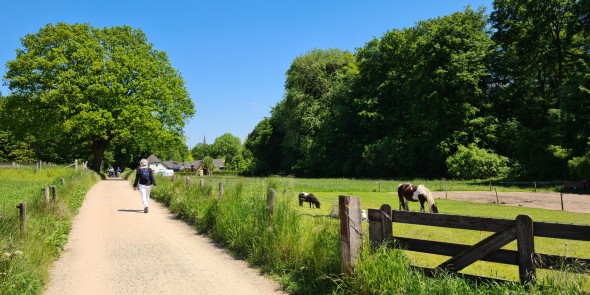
(374, 193)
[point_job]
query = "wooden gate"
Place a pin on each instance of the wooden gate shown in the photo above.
(523, 230)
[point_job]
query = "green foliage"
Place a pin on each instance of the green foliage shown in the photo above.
(100, 87)
(208, 164)
(473, 162)
(24, 263)
(299, 245)
(515, 84)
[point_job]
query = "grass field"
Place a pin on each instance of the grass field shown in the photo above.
(374, 193)
(24, 260)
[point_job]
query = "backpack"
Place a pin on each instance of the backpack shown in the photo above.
(144, 175)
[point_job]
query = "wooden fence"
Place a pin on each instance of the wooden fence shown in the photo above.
(523, 230)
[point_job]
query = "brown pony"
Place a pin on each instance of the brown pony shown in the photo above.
(414, 193)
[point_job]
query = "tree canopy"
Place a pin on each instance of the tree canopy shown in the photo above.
(465, 95)
(79, 90)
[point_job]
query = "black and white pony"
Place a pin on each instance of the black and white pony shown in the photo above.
(310, 198)
(408, 192)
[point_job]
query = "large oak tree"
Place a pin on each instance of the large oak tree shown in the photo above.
(80, 89)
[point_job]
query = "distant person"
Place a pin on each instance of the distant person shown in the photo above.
(118, 172)
(145, 177)
(111, 172)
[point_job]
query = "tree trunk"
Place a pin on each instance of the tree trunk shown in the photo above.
(98, 148)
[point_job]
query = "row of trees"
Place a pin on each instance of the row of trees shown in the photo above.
(465, 95)
(228, 147)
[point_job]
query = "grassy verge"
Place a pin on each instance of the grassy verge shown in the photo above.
(25, 260)
(300, 246)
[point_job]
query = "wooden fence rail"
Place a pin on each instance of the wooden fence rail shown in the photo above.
(523, 230)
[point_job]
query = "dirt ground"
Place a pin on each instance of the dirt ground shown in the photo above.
(115, 248)
(544, 200)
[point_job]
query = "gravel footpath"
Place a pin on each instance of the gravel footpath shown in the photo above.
(115, 248)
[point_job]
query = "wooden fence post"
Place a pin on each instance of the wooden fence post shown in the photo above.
(381, 230)
(561, 197)
(23, 218)
(46, 194)
(54, 193)
(221, 190)
(201, 183)
(351, 232)
(497, 200)
(526, 249)
(271, 198)
(188, 181)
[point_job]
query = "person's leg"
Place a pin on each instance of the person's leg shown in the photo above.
(145, 193)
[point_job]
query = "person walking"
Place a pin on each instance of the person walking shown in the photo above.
(144, 179)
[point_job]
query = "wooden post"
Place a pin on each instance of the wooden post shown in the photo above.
(561, 197)
(446, 189)
(351, 232)
(76, 164)
(271, 198)
(173, 177)
(23, 218)
(381, 230)
(188, 181)
(526, 249)
(63, 181)
(221, 190)
(497, 200)
(54, 193)
(490, 185)
(535, 186)
(46, 194)
(201, 184)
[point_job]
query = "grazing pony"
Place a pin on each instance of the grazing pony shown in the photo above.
(310, 198)
(415, 193)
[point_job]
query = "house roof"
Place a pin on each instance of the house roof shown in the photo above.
(153, 159)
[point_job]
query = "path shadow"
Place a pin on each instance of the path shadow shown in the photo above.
(130, 211)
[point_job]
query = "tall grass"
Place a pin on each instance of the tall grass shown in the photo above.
(24, 260)
(300, 246)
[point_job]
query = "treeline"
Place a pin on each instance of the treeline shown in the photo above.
(468, 95)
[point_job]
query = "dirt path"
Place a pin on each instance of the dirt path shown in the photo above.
(115, 248)
(544, 200)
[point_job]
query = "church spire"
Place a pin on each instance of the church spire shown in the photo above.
(204, 140)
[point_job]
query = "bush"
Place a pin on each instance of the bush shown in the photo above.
(476, 163)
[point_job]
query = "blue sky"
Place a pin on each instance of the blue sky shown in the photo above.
(233, 55)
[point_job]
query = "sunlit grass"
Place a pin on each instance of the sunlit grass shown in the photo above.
(281, 245)
(25, 259)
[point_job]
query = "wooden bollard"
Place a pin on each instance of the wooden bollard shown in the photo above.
(54, 193)
(188, 181)
(221, 190)
(23, 217)
(271, 198)
(201, 183)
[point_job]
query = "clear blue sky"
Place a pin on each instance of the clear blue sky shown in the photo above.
(233, 55)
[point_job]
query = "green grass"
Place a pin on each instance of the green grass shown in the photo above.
(24, 260)
(300, 245)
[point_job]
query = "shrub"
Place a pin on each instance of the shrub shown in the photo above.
(473, 162)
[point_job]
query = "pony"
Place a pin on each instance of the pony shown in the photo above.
(310, 198)
(414, 193)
